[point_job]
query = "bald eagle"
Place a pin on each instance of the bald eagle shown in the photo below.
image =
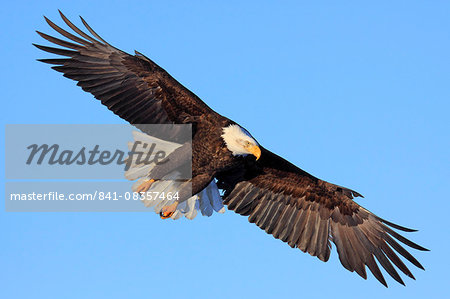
(280, 198)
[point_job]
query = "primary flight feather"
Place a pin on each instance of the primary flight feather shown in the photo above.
(280, 198)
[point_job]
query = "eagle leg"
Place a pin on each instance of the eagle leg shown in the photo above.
(145, 186)
(168, 211)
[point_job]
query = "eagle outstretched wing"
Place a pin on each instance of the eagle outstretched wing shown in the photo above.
(133, 87)
(308, 213)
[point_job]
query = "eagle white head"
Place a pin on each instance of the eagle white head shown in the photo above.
(239, 142)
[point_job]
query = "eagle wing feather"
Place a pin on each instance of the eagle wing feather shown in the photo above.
(133, 87)
(309, 214)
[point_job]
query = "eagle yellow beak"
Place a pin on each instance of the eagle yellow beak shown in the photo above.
(255, 150)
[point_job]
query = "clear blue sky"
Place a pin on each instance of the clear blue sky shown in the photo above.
(357, 94)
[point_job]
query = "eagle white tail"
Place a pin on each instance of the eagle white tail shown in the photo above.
(207, 201)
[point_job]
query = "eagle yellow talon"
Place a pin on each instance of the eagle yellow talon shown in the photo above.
(168, 211)
(145, 186)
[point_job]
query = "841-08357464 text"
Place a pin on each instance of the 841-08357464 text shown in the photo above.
(97, 195)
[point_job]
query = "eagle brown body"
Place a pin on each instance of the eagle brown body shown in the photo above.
(277, 196)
